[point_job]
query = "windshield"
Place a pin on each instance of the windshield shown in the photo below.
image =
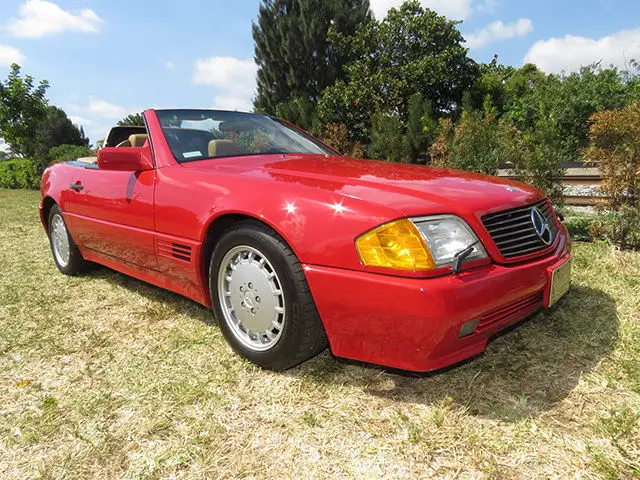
(200, 134)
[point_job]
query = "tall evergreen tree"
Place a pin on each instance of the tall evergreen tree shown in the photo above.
(57, 129)
(293, 54)
(54, 130)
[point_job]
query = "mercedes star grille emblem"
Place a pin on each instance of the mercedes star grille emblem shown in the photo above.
(541, 226)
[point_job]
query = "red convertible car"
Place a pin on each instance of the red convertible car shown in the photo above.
(297, 248)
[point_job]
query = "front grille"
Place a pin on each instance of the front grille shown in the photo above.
(513, 232)
(514, 311)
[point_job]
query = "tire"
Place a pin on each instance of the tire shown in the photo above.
(287, 327)
(65, 252)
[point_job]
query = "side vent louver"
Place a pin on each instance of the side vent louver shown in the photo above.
(174, 250)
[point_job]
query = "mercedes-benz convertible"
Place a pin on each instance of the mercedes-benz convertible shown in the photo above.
(297, 248)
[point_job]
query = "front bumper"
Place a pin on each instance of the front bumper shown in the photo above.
(414, 324)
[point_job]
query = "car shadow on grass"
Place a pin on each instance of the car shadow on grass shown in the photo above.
(165, 302)
(525, 371)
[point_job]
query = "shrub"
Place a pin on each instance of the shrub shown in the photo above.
(539, 164)
(479, 143)
(615, 147)
(337, 137)
(19, 173)
(387, 141)
(65, 153)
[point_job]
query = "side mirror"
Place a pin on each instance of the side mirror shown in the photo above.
(125, 159)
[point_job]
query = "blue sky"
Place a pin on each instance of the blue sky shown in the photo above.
(105, 59)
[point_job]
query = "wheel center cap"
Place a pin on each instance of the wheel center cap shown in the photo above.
(248, 300)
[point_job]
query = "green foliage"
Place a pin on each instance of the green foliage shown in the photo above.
(299, 111)
(615, 148)
(19, 173)
(479, 143)
(337, 137)
(65, 153)
(54, 130)
(293, 54)
(531, 97)
(491, 81)
(540, 162)
(386, 138)
(22, 107)
(421, 130)
(412, 51)
(133, 120)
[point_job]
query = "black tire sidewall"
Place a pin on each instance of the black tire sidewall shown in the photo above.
(76, 263)
(284, 262)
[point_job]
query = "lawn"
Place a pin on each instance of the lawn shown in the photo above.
(103, 376)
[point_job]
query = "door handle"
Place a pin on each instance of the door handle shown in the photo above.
(76, 187)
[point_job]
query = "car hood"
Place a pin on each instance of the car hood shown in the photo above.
(409, 189)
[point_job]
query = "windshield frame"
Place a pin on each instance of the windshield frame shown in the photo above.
(326, 150)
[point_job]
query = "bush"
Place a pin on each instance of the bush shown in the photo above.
(615, 147)
(337, 137)
(65, 153)
(479, 143)
(19, 173)
(539, 164)
(386, 138)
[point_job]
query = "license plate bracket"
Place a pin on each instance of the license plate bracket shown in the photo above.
(559, 282)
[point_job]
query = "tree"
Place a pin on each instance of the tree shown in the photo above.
(54, 130)
(421, 129)
(386, 138)
(413, 50)
(294, 57)
(337, 137)
(615, 148)
(532, 98)
(491, 81)
(22, 107)
(133, 120)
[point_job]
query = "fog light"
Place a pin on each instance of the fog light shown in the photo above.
(468, 328)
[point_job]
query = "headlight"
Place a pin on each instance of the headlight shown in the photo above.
(424, 243)
(447, 235)
(395, 245)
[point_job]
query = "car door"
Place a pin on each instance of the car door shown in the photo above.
(111, 212)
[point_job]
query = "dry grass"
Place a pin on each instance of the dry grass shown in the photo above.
(102, 376)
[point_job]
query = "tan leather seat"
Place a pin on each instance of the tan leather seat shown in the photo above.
(136, 140)
(224, 148)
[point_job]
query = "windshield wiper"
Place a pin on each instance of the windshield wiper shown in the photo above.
(459, 257)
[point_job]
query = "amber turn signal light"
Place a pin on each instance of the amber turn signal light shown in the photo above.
(397, 245)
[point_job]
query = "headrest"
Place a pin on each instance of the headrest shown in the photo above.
(138, 139)
(223, 148)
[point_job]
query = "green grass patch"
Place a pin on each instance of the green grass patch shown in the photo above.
(103, 376)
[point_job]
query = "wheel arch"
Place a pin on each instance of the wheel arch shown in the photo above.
(217, 226)
(47, 204)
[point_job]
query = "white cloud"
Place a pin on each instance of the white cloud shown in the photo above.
(9, 55)
(38, 18)
(496, 31)
(107, 110)
(169, 65)
(80, 121)
(453, 9)
(488, 6)
(571, 52)
(234, 78)
(97, 116)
